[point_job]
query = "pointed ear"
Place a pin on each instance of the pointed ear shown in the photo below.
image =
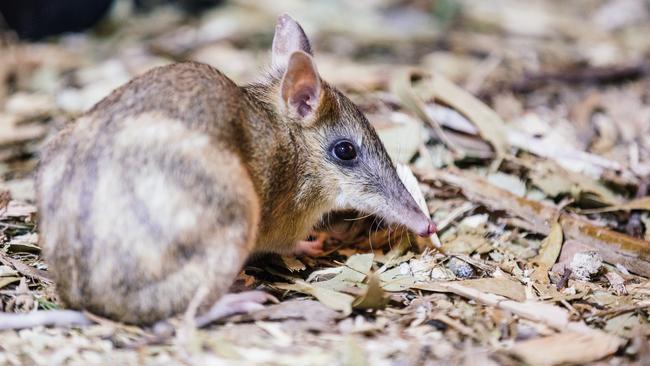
(301, 89)
(289, 38)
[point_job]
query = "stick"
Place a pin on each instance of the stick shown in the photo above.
(613, 246)
(57, 318)
(550, 315)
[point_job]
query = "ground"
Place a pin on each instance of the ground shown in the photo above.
(526, 125)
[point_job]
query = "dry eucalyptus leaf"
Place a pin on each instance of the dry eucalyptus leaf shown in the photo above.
(333, 299)
(498, 286)
(569, 158)
(567, 347)
(402, 140)
(8, 280)
(548, 253)
(508, 182)
(314, 312)
(293, 264)
(27, 243)
(12, 133)
(353, 272)
(617, 282)
(489, 124)
(397, 279)
(464, 243)
(554, 180)
(16, 209)
(624, 325)
(373, 296)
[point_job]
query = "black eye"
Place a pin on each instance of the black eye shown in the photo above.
(345, 150)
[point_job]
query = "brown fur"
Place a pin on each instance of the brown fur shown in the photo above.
(175, 178)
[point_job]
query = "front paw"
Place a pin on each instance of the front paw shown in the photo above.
(311, 248)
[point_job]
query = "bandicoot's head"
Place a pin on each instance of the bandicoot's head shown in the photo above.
(343, 159)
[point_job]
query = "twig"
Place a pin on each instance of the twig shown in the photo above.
(460, 327)
(24, 269)
(621, 310)
(565, 278)
(57, 318)
(134, 329)
(550, 315)
(600, 75)
(614, 247)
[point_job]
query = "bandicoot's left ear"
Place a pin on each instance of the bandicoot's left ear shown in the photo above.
(289, 38)
(301, 88)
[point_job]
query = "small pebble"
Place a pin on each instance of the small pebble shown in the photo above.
(586, 265)
(460, 268)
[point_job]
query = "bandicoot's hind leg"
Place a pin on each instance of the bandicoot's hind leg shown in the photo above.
(236, 303)
(213, 228)
(167, 222)
(148, 298)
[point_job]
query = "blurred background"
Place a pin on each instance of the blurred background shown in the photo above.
(533, 61)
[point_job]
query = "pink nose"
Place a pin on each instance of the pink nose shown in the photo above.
(430, 230)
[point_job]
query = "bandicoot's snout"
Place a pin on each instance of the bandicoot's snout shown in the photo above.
(405, 211)
(421, 224)
(415, 221)
(430, 230)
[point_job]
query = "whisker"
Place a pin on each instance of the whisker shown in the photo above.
(408, 237)
(390, 246)
(360, 218)
(370, 233)
(329, 220)
(381, 221)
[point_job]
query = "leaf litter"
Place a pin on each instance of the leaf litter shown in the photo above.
(524, 130)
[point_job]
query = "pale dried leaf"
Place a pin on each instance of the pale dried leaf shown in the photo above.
(498, 286)
(567, 347)
(373, 296)
(548, 253)
(333, 299)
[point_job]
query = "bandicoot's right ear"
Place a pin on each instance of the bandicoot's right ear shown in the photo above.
(301, 87)
(289, 38)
